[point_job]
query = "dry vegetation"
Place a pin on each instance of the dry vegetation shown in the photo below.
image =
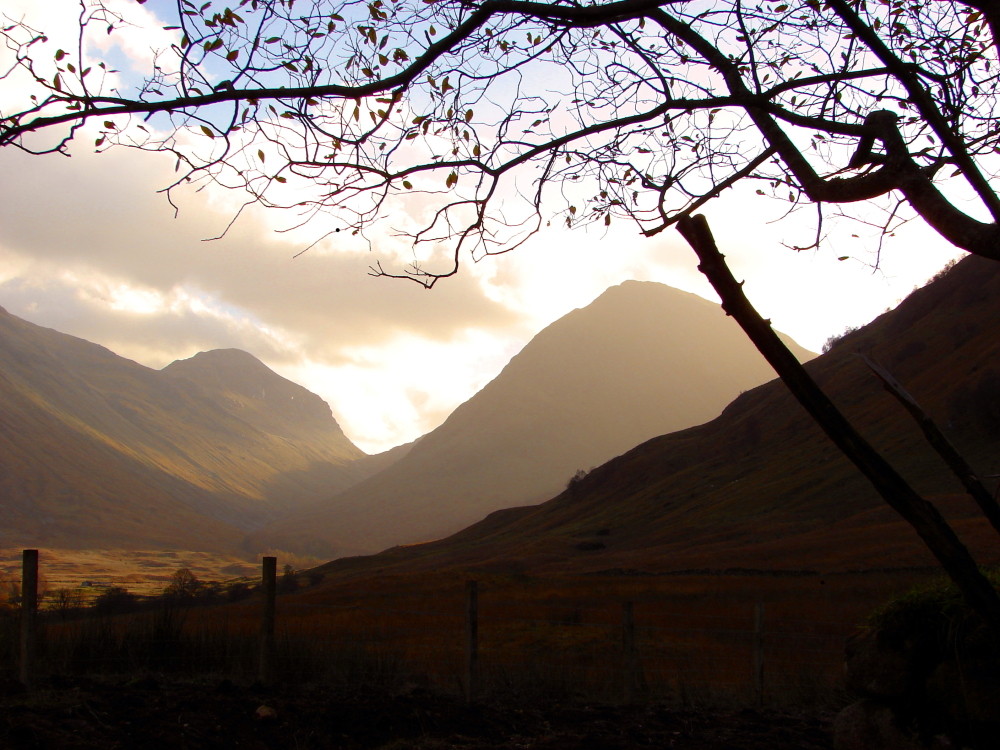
(141, 571)
(384, 654)
(556, 636)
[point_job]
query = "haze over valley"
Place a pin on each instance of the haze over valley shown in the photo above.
(103, 452)
(642, 415)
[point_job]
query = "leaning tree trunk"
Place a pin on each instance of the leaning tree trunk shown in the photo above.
(929, 524)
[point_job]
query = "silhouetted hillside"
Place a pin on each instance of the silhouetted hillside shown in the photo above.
(760, 487)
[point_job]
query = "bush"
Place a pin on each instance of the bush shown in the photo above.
(116, 600)
(184, 586)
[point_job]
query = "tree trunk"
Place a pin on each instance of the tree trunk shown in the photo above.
(925, 519)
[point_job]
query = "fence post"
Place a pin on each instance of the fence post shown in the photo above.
(471, 640)
(758, 653)
(630, 654)
(269, 577)
(29, 615)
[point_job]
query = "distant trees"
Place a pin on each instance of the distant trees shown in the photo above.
(66, 600)
(578, 476)
(116, 600)
(289, 580)
(184, 586)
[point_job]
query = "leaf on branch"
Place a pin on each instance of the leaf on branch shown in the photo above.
(407, 184)
(279, 178)
(207, 131)
(260, 154)
(452, 180)
(233, 54)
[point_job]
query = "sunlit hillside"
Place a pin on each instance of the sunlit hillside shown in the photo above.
(760, 487)
(642, 360)
(98, 451)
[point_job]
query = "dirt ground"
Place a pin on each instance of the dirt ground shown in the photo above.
(151, 714)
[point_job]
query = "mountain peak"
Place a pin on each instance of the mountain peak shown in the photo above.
(252, 391)
(642, 360)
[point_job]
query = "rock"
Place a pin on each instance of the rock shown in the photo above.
(970, 692)
(266, 713)
(871, 725)
(880, 666)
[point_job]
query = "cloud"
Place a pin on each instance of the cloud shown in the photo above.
(89, 248)
(100, 213)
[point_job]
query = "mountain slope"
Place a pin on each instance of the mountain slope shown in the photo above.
(101, 451)
(760, 487)
(641, 360)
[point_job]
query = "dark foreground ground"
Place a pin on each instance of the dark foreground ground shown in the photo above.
(150, 714)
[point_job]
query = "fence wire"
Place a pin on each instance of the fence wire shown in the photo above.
(527, 646)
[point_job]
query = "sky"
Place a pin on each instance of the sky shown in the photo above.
(89, 247)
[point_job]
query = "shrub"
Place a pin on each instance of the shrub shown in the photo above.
(116, 600)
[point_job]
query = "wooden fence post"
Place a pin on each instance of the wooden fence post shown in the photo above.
(269, 577)
(758, 653)
(471, 640)
(29, 615)
(630, 654)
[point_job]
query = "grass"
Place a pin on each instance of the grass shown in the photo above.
(556, 638)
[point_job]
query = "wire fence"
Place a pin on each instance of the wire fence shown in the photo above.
(479, 641)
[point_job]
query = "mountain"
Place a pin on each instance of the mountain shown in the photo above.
(97, 450)
(760, 488)
(641, 360)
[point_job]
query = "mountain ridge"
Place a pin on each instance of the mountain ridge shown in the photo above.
(100, 450)
(640, 360)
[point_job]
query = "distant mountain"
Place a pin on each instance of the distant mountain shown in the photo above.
(246, 388)
(642, 360)
(760, 488)
(96, 450)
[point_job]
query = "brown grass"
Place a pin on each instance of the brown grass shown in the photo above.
(557, 637)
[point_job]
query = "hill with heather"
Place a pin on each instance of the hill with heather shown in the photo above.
(641, 360)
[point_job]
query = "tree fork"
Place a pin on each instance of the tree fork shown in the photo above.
(925, 519)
